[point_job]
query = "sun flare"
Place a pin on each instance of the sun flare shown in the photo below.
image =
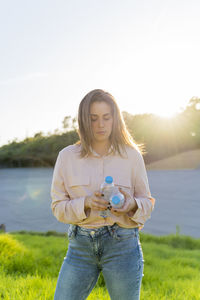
(166, 114)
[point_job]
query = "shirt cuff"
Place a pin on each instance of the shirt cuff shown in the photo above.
(77, 206)
(141, 215)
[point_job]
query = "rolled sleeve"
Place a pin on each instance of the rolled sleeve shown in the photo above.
(77, 206)
(145, 202)
(143, 212)
(66, 210)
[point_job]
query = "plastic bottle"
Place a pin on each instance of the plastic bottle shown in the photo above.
(107, 189)
(117, 200)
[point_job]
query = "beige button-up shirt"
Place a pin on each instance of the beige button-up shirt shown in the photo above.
(74, 178)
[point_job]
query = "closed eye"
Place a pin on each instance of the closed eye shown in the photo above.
(106, 117)
(93, 119)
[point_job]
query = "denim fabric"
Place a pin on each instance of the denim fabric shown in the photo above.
(114, 250)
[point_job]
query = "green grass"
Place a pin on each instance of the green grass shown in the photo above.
(30, 262)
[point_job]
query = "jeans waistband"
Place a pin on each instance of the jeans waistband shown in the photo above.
(95, 232)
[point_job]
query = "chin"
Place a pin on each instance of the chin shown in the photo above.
(102, 139)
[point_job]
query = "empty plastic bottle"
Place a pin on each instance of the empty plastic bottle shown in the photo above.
(107, 189)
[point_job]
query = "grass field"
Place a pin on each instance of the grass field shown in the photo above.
(29, 266)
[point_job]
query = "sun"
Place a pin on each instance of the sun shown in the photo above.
(165, 113)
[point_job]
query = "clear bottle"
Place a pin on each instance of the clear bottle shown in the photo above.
(107, 189)
(117, 200)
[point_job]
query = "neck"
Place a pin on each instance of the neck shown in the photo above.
(101, 148)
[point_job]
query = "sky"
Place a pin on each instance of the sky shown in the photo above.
(52, 53)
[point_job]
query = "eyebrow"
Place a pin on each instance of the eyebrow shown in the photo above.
(107, 114)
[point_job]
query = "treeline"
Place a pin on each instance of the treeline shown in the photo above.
(160, 138)
(163, 137)
(37, 151)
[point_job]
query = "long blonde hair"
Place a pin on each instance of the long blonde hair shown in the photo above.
(120, 136)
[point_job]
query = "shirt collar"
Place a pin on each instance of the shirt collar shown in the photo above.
(98, 155)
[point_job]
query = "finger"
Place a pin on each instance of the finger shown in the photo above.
(99, 204)
(96, 204)
(109, 206)
(101, 201)
(122, 209)
(116, 213)
(98, 207)
(123, 192)
(98, 194)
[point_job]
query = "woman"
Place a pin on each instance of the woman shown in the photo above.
(96, 244)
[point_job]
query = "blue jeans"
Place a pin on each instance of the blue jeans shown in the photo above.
(114, 250)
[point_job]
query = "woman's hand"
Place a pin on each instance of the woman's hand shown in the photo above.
(130, 206)
(95, 202)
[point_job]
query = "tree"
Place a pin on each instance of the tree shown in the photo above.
(191, 116)
(69, 123)
(66, 122)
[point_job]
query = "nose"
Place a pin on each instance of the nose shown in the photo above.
(101, 123)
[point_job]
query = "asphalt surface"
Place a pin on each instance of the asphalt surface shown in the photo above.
(177, 207)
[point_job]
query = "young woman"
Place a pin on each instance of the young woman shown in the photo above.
(108, 244)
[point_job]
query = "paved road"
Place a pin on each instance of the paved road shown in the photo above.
(25, 201)
(178, 202)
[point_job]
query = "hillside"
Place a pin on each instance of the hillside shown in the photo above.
(185, 160)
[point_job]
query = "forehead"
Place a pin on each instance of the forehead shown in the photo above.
(100, 107)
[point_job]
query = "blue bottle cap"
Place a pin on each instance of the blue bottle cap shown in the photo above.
(108, 179)
(115, 200)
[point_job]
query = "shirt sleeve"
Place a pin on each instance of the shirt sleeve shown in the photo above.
(66, 210)
(142, 195)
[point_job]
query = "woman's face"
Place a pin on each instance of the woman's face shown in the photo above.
(101, 120)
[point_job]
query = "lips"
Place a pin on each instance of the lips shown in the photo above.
(101, 132)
